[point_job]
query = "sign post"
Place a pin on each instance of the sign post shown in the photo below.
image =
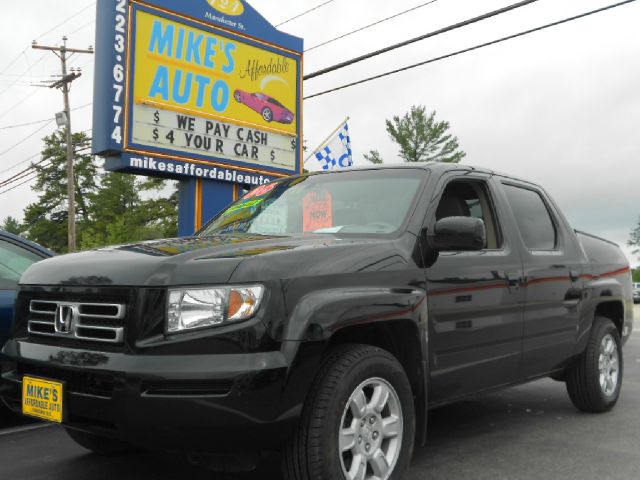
(203, 91)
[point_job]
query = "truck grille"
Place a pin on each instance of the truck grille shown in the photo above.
(95, 322)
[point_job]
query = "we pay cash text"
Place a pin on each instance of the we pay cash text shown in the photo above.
(197, 134)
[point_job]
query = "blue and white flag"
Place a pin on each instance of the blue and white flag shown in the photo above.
(336, 153)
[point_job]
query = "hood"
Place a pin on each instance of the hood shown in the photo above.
(204, 260)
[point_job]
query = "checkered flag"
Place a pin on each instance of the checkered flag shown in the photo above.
(336, 153)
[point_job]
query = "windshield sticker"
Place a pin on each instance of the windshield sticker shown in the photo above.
(244, 206)
(260, 191)
(318, 210)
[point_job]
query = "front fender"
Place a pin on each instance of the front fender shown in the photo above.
(318, 315)
(321, 314)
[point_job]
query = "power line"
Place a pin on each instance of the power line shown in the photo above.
(25, 138)
(20, 102)
(82, 106)
(370, 25)
(470, 49)
(8, 127)
(20, 175)
(16, 177)
(20, 163)
(19, 185)
(17, 84)
(23, 173)
(82, 27)
(10, 74)
(23, 74)
(449, 28)
(67, 20)
(10, 64)
(305, 13)
(43, 56)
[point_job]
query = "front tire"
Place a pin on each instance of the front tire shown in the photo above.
(102, 446)
(358, 421)
(267, 114)
(595, 378)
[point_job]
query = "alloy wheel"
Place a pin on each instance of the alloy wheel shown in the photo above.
(370, 437)
(609, 365)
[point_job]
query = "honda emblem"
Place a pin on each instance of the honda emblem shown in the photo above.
(65, 316)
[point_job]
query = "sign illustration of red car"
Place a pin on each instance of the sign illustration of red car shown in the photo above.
(270, 108)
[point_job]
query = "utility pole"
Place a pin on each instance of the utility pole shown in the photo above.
(62, 52)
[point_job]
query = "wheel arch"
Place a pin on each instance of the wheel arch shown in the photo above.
(613, 310)
(605, 297)
(401, 338)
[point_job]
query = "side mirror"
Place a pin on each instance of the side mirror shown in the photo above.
(458, 233)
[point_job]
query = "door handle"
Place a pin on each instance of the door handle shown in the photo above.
(513, 280)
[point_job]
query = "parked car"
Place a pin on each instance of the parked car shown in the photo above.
(270, 108)
(16, 255)
(322, 316)
(636, 293)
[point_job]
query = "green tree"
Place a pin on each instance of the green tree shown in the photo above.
(11, 225)
(634, 239)
(121, 215)
(421, 138)
(159, 213)
(111, 208)
(45, 221)
(374, 157)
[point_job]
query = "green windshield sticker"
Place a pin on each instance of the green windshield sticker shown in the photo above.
(243, 206)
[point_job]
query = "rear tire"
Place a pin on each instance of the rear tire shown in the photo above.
(358, 416)
(103, 446)
(594, 379)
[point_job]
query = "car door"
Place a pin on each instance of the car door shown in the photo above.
(475, 299)
(14, 260)
(553, 266)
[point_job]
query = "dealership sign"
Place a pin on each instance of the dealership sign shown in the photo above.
(196, 88)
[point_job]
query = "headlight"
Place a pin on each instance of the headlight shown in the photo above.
(191, 308)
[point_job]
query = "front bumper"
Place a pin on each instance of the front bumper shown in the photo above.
(187, 403)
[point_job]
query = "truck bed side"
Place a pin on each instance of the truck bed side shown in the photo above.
(607, 286)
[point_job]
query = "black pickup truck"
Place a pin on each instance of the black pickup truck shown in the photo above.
(322, 316)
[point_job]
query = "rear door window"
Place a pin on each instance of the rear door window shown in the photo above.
(533, 218)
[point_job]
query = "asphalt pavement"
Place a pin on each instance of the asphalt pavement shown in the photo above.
(528, 432)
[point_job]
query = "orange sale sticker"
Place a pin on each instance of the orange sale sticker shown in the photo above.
(318, 211)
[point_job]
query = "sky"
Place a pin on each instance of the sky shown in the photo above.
(559, 107)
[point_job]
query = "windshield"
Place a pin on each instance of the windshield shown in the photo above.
(356, 202)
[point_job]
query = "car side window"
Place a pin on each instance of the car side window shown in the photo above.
(533, 218)
(14, 260)
(471, 199)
